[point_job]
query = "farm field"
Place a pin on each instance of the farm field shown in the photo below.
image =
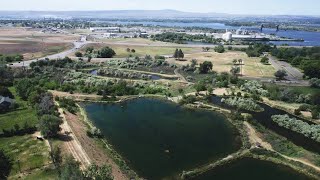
(33, 43)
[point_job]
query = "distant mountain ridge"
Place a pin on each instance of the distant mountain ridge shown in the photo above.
(147, 14)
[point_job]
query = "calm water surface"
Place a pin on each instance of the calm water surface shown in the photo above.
(160, 139)
(311, 38)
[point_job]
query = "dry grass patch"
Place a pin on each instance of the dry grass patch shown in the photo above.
(222, 62)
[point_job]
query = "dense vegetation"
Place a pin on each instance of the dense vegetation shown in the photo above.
(307, 58)
(310, 131)
(182, 38)
(10, 58)
(243, 103)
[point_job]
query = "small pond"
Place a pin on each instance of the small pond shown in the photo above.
(252, 169)
(159, 139)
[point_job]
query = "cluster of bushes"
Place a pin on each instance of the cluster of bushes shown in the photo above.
(219, 49)
(105, 52)
(257, 49)
(94, 133)
(19, 131)
(123, 74)
(70, 169)
(59, 63)
(182, 38)
(10, 58)
(147, 63)
(67, 103)
(311, 131)
(287, 95)
(315, 82)
(254, 87)
(188, 99)
(243, 103)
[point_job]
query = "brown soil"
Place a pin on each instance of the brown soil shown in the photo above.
(31, 49)
(90, 146)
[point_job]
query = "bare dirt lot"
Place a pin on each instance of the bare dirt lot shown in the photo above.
(32, 43)
(32, 49)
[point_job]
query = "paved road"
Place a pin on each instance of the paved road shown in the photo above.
(76, 45)
(294, 75)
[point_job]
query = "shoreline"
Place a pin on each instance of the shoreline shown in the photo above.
(206, 107)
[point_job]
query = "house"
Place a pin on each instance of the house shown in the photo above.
(5, 103)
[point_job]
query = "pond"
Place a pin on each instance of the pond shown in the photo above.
(265, 119)
(252, 169)
(160, 139)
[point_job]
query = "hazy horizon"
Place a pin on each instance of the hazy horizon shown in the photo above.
(244, 7)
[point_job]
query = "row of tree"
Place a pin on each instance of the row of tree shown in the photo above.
(308, 130)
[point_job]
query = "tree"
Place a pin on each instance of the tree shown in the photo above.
(205, 67)
(24, 87)
(205, 49)
(70, 170)
(234, 61)
(193, 63)
(56, 157)
(5, 165)
(78, 54)
(49, 126)
(133, 50)
(264, 60)
(89, 50)
(98, 173)
(128, 49)
(235, 70)
(280, 74)
(5, 92)
(219, 49)
(176, 54)
(106, 52)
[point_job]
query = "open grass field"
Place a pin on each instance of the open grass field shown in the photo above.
(121, 50)
(26, 152)
(24, 114)
(222, 62)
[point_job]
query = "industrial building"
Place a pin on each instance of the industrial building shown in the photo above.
(105, 29)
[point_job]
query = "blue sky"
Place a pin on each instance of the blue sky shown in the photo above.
(273, 7)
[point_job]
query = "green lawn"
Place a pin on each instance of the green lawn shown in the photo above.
(30, 152)
(24, 114)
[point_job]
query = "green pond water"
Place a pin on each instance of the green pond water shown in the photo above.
(159, 139)
(252, 169)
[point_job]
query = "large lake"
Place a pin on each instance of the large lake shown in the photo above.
(252, 169)
(311, 38)
(160, 139)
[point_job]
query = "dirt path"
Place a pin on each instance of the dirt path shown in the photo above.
(182, 78)
(255, 139)
(94, 150)
(72, 143)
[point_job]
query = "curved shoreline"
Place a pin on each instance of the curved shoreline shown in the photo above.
(206, 107)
